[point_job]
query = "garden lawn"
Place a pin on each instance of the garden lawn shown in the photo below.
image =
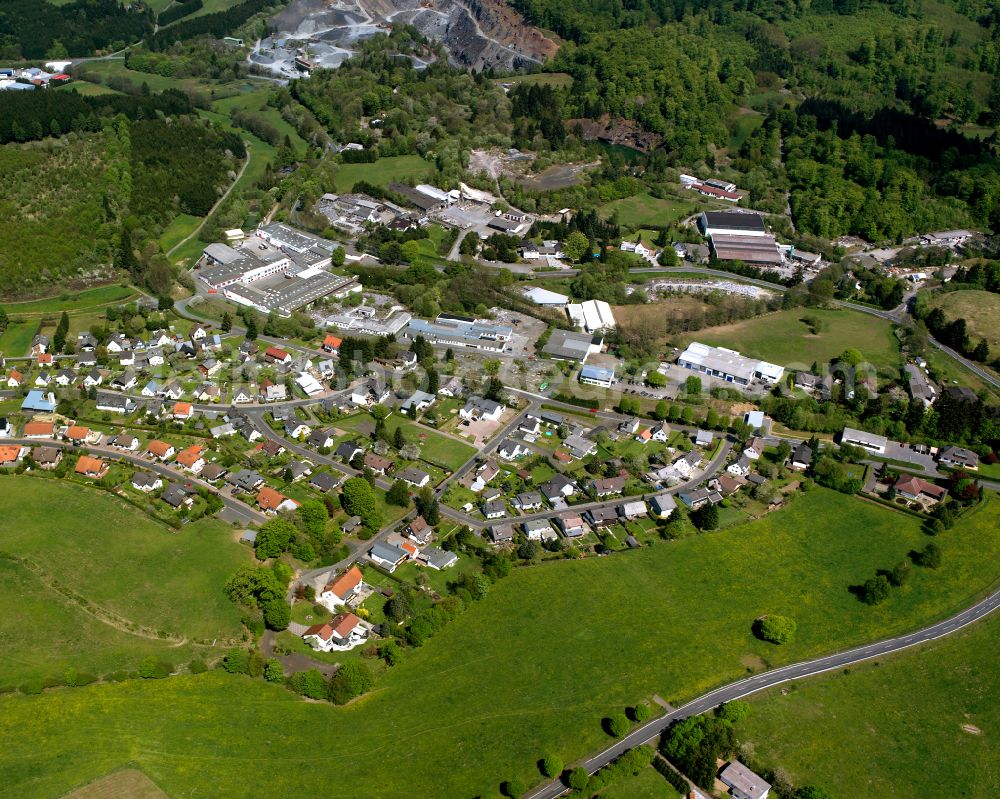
(119, 559)
(383, 172)
(894, 728)
(491, 689)
(782, 337)
(979, 309)
(435, 448)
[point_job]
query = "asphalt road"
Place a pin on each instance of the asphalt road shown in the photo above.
(759, 682)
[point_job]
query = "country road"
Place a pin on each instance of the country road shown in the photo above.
(759, 682)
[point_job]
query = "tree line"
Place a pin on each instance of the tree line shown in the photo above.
(35, 30)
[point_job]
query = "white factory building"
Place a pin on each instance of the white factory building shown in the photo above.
(728, 365)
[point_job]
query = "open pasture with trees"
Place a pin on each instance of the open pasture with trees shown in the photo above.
(701, 594)
(123, 571)
(920, 723)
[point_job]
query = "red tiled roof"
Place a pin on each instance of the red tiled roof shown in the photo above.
(158, 448)
(276, 353)
(346, 583)
(38, 429)
(189, 456)
(269, 499)
(89, 465)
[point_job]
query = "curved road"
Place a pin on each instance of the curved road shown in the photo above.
(769, 679)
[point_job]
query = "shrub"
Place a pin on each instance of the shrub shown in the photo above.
(616, 725)
(676, 780)
(551, 765)
(776, 629)
(733, 712)
(197, 666)
(277, 614)
(274, 671)
(641, 712)
(876, 590)
(578, 779)
(351, 680)
(308, 683)
(513, 788)
(154, 669)
(237, 661)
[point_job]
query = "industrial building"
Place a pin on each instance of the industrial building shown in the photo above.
(737, 236)
(457, 331)
(728, 365)
(597, 376)
(591, 316)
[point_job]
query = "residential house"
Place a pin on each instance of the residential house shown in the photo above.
(242, 395)
(528, 501)
(633, 509)
(296, 429)
(414, 477)
(93, 379)
(298, 470)
(687, 464)
(273, 392)
(369, 393)
(11, 454)
(39, 344)
(511, 449)
(348, 451)
(580, 446)
(341, 633)
(727, 484)
(192, 459)
(91, 467)
(177, 495)
(742, 782)
(601, 518)
(958, 458)
(117, 403)
(494, 509)
(704, 438)
(558, 487)
(377, 463)
(182, 410)
(662, 505)
(344, 591)
(213, 471)
(480, 409)
(118, 343)
(629, 427)
(801, 457)
(453, 388)
(387, 556)
(223, 430)
(438, 559)
(47, 457)
(173, 390)
(160, 449)
(530, 426)
(501, 533)
(740, 467)
(332, 344)
(484, 474)
(271, 501)
(697, 497)
(324, 482)
(146, 482)
(571, 524)
(538, 530)
(917, 489)
(151, 389)
(38, 430)
(754, 448)
(419, 401)
(320, 439)
(77, 434)
(277, 355)
(43, 379)
(419, 531)
(245, 480)
(608, 486)
(65, 377)
(14, 378)
(350, 525)
(272, 448)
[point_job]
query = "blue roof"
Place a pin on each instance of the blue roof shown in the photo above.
(38, 401)
(597, 373)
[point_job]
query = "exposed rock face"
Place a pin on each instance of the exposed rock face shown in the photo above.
(478, 34)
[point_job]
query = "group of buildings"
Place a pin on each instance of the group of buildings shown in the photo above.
(276, 268)
(712, 187)
(31, 78)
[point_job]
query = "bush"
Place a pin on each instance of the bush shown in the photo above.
(309, 683)
(237, 661)
(776, 629)
(616, 725)
(513, 788)
(277, 614)
(197, 666)
(929, 557)
(641, 712)
(77, 679)
(578, 779)
(875, 590)
(274, 671)
(351, 680)
(678, 783)
(551, 765)
(733, 712)
(153, 669)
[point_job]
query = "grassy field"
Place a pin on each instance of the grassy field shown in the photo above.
(979, 309)
(558, 79)
(119, 561)
(644, 209)
(382, 172)
(580, 639)
(16, 339)
(73, 302)
(922, 723)
(784, 339)
(434, 447)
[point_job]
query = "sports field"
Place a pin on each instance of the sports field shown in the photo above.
(383, 172)
(531, 669)
(129, 579)
(921, 723)
(783, 337)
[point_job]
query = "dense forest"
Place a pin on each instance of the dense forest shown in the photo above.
(217, 25)
(34, 29)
